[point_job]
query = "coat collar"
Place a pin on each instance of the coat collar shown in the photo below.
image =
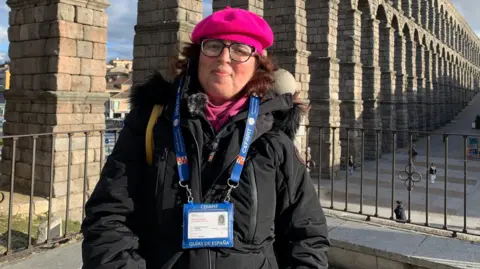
(277, 112)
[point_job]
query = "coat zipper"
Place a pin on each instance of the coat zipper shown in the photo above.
(209, 259)
(161, 168)
(254, 210)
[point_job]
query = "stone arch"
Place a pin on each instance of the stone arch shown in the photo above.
(395, 23)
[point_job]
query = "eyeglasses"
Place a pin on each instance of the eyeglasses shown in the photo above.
(238, 52)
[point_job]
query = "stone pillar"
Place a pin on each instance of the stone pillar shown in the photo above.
(290, 48)
(397, 4)
(442, 87)
(437, 88)
(431, 18)
(448, 90)
(463, 92)
(350, 81)
(58, 84)
(407, 8)
(421, 92)
(429, 94)
(425, 14)
(388, 79)
(322, 33)
(255, 6)
(455, 90)
(443, 29)
(446, 34)
(416, 11)
(371, 86)
(439, 26)
(411, 52)
(400, 94)
(162, 28)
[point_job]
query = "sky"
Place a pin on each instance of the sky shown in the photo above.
(122, 18)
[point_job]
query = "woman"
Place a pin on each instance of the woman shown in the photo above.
(222, 147)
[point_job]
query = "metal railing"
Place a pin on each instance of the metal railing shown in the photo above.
(459, 167)
(377, 153)
(11, 147)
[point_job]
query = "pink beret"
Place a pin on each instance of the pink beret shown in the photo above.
(237, 25)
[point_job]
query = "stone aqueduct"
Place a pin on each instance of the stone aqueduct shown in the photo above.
(391, 64)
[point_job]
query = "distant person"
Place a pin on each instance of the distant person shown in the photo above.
(433, 173)
(400, 212)
(351, 165)
(413, 153)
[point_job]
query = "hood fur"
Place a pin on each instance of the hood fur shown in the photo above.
(287, 113)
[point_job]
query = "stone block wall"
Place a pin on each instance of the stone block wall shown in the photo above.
(355, 64)
(58, 66)
(162, 29)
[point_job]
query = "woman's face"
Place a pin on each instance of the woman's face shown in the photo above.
(220, 76)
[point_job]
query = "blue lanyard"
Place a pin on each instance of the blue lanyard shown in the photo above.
(180, 150)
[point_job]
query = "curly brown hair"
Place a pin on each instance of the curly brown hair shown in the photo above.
(261, 82)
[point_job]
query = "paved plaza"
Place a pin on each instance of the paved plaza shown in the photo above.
(436, 195)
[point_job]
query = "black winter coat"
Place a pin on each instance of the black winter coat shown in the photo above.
(134, 215)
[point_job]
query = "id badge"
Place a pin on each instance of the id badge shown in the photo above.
(207, 225)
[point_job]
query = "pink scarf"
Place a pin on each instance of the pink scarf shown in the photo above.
(219, 115)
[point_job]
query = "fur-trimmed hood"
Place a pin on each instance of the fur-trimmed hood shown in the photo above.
(286, 113)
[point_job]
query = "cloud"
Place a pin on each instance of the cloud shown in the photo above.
(3, 34)
(2, 57)
(469, 9)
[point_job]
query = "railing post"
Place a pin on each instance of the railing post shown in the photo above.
(394, 136)
(465, 160)
(32, 189)
(85, 176)
(69, 171)
(377, 157)
(445, 184)
(332, 184)
(427, 190)
(10, 205)
(50, 198)
(410, 135)
(361, 171)
(347, 159)
(320, 160)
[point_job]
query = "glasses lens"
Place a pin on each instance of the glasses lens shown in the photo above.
(212, 47)
(240, 52)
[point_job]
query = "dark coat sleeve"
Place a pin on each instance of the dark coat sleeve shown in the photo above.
(301, 227)
(111, 238)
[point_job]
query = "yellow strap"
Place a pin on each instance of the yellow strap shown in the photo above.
(149, 145)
